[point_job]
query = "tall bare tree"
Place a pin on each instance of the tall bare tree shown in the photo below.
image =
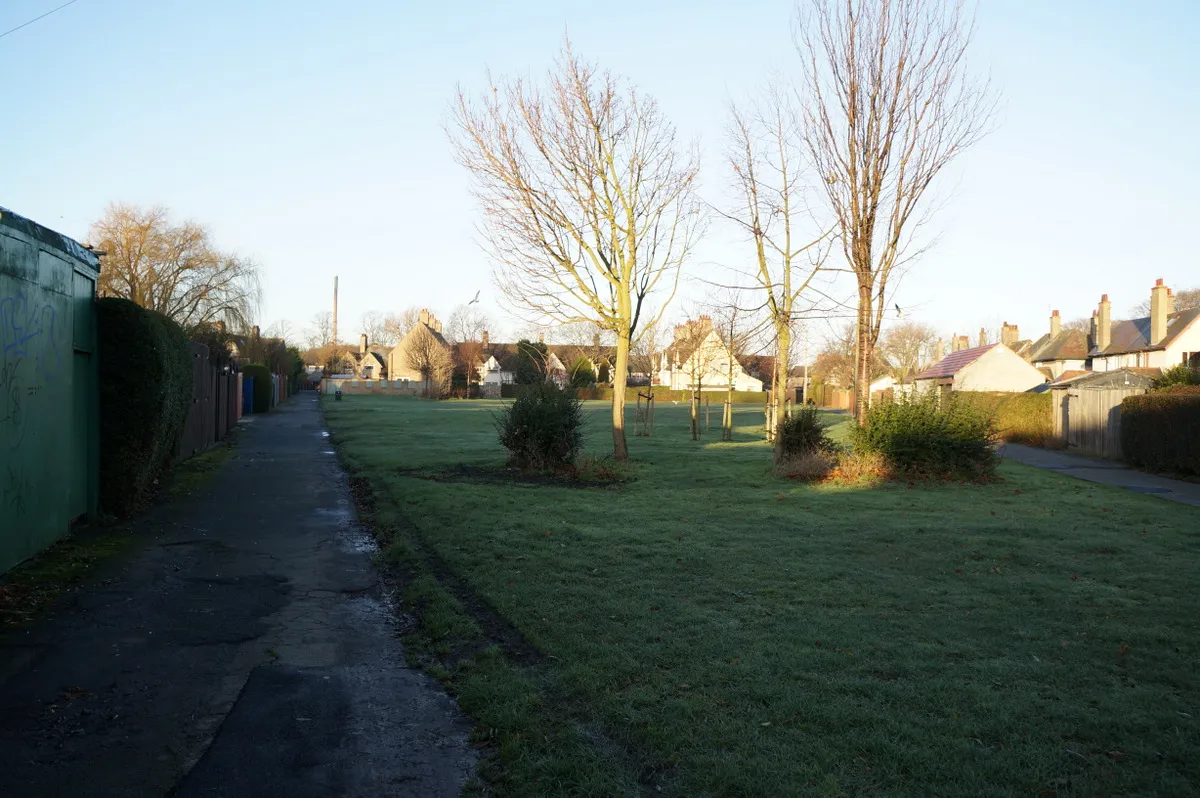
(173, 268)
(888, 102)
(766, 155)
(907, 346)
(588, 203)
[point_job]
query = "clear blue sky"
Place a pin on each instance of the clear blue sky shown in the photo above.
(309, 135)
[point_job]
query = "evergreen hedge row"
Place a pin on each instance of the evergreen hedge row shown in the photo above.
(145, 392)
(1017, 417)
(1160, 430)
(263, 386)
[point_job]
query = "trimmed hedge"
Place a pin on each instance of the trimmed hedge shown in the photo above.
(1018, 417)
(1160, 431)
(263, 386)
(512, 390)
(145, 392)
(930, 435)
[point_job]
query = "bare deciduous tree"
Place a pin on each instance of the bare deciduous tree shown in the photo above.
(1185, 300)
(588, 204)
(465, 330)
(737, 328)
(645, 355)
(174, 269)
(379, 328)
(427, 355)
(888, 103)
(466, 323)
(320, 330)
(397, 325)
(699, 358)
(766, 157)
(907, 346)
(1083, 324)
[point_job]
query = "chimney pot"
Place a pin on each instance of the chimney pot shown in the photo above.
(1159, 281)
(1104, 297)
(484, 339)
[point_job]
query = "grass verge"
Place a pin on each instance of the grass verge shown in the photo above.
(710, 628)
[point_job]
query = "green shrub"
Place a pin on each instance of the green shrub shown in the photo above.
(543, 428)
(1177, 375)
(930, 434)
(262, 386)
(1017, 417)
(582, 375)
(145, 367)
(1160, 431)
(805, 433)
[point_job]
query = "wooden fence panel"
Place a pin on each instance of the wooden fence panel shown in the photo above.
(194, 439)
(1093, 419)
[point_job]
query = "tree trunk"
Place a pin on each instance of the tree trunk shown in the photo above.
(695, 421)
(862, 356)
(620, 376)
(783, 335)
(727, 417)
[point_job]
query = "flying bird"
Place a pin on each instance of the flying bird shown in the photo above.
(476, 299)
(899, 313)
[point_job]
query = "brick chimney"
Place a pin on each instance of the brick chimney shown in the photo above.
(939, 350)
(483, 339)
(1009, 334)
(1055, 324)
(423, 316)
(1159, 297)
(437, 326)
(1104, 323)
(541, 338)
(982, 337)
(1170, 301)
(362, 344)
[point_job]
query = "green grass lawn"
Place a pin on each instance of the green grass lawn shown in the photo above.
(712, 629)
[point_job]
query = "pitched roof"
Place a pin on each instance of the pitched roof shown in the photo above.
(1135, 377)
(954, 362)
(1134, 335)
(1067, 345)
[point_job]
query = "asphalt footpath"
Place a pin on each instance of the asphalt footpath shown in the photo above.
(249, 650)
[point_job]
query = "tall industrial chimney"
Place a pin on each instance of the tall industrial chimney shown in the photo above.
(335, 309)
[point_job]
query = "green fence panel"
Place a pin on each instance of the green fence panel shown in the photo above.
(49, 411)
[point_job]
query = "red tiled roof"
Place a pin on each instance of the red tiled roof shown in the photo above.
(1071, 374)
(953, 363)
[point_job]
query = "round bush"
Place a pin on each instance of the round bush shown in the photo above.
(543, 428)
